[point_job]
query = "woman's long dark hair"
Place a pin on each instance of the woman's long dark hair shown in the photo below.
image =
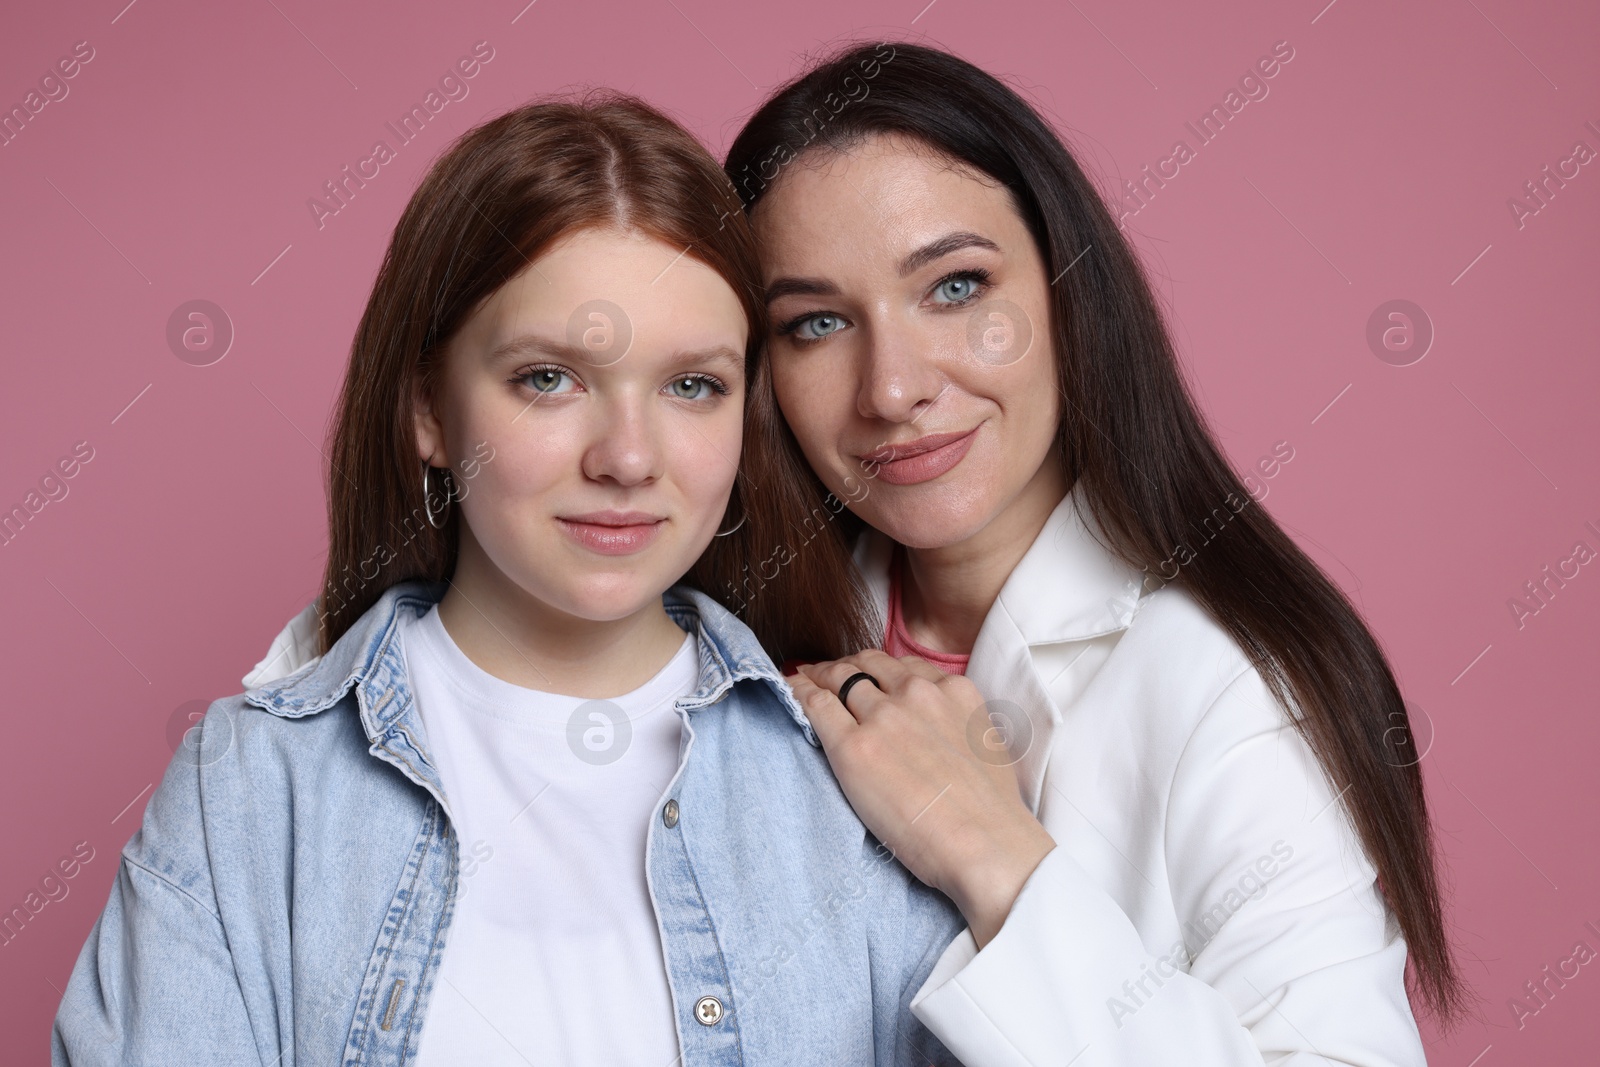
(493, 202)
(1135, 444)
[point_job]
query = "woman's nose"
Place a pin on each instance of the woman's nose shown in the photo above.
(900, 377)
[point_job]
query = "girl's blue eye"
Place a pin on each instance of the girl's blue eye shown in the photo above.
(691, 387)
(549, 380)
(816, 327)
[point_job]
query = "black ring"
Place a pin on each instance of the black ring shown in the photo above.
(859, 676)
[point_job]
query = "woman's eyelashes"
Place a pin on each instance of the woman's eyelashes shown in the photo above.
(552, 380)
(811, 327)
(958, 289)
(962, 287)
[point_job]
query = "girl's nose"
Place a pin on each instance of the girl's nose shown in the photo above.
(625, 446)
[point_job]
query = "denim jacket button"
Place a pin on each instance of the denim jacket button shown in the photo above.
(708, 1010)
(669, 816)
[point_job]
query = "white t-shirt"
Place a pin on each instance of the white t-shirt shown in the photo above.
(553, 954)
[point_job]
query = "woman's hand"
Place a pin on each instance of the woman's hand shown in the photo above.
(903, 757)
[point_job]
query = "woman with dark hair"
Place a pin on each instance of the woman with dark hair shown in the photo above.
(1145, 745)
(528, 795)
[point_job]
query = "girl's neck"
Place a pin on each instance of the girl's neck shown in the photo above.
(522, 640)
(947, 592)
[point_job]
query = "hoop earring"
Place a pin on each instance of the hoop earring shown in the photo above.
(427, 468)
(743, 515)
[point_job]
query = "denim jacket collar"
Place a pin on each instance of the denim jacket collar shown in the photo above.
(729, 653)
(366, 658)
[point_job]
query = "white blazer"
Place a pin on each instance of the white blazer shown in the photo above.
(1207, 901)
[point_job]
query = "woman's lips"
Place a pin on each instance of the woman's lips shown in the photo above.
(921, 460)
(612, 533)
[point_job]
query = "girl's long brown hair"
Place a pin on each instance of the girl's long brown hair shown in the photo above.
(498, 197)
(1140, 450)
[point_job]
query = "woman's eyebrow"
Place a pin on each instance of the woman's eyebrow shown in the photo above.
(943, 246)
(935, 249)
(783, 287)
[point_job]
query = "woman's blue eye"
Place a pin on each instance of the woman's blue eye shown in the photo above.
(956, 289)
(816, 327)
(548, 380)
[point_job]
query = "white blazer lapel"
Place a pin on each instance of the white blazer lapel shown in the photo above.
(1015, 702)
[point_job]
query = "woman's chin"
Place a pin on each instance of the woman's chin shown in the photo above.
(916, 525)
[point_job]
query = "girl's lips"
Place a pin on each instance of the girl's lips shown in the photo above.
(921, 460)
(619, 535)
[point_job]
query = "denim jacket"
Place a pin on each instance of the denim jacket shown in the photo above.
(287, 899)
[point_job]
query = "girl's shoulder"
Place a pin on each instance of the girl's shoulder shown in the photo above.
(294, 647)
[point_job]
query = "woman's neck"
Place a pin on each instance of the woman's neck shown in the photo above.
(522, 640)
(946, 592)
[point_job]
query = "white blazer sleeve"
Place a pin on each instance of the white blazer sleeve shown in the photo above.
(1291, 962)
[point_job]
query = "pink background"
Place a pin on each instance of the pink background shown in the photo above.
(1379, 167)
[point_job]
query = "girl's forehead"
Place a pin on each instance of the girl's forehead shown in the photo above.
(610, 316)
(611, 276)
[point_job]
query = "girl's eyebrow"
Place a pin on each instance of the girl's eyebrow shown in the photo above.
(531, 345)
(534, 345)
(921, 257)
(715, 354)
